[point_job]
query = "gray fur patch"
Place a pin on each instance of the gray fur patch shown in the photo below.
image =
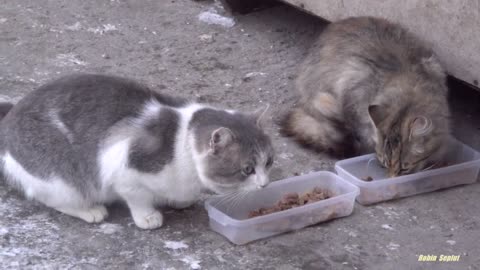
(155, 147)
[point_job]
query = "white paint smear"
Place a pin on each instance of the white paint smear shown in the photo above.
(109, 228)
(211, 17)
(192, 262)
(254, 74)
(175, 245)
(102, 30)
(393, 246)
(75, 27)
(4, 98)
(3, 231)
(68, 60)
(451, 242)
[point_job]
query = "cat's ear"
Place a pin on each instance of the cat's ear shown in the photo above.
(432, 66)
(260, 116)
(421, 126)
(377, 114)
(219, 139)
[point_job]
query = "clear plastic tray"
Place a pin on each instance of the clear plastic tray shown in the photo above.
(464, 166)
(230, 218)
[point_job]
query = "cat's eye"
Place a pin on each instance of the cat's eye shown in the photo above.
(269, 162)
(248, 170)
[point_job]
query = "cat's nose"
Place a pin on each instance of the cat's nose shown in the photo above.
(262, 185)
(262, 180)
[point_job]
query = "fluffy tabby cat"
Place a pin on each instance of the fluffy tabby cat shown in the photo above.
(368, 84)
(86, 140)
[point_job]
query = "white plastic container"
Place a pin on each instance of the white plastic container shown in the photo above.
(231, 219)
(464, 166)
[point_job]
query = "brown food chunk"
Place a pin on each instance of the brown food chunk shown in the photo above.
(367, 178)
(292, 200)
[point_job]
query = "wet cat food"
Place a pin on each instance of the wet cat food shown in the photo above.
(367, 178)
(291, 200)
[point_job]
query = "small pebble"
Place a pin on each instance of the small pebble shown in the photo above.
(206, 38)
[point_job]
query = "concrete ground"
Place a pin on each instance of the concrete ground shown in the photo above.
(242, 62)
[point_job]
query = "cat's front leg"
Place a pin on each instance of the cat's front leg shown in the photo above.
(142, 207)
(94, 214)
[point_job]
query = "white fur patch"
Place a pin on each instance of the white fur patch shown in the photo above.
(183, 160)
(114, 159)
(150, 110)
(53, 192)
(261, 177)
(176, 182)
(257, 180)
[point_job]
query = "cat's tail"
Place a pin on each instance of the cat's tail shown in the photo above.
(319, 133)
(5, 107)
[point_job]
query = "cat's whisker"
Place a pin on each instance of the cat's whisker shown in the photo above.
(239, 198)
(226, 198)
(429, 167)
(236, 199)
(230, 199)
(369, 163)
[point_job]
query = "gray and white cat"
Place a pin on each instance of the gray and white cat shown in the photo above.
(83, 141)
(370, 85)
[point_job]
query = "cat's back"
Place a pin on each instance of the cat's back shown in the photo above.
(375, 41)
(90, 93)
(360, 51)
(80, 99)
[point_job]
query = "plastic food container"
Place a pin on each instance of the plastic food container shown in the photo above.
(464, 166)
(230, 217)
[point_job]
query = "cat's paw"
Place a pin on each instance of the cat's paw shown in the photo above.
(150, 221)
(95, 214)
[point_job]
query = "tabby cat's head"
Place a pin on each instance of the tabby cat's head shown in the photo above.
(408, 141)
